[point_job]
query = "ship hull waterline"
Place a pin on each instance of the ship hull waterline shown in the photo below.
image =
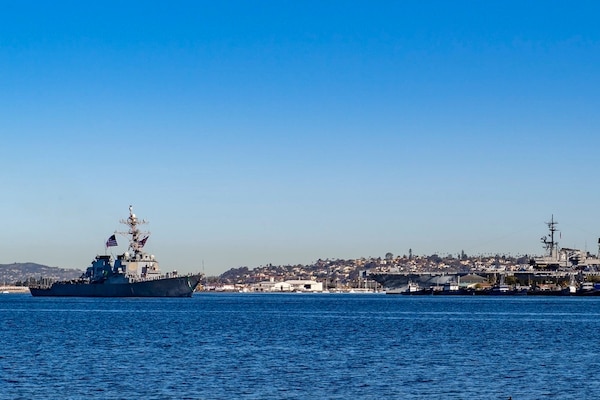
(183, 286)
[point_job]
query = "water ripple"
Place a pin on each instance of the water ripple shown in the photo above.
(220, 346)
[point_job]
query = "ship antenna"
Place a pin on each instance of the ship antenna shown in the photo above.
(136, 243)
(551, 245)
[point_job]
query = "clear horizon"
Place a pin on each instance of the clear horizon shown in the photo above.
(284, 133)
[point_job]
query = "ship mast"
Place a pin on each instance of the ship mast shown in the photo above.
(550, 245)
(135, 241)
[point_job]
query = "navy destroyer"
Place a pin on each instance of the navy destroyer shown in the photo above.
(133, 273)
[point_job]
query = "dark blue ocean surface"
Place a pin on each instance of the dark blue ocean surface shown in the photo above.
(298, 346)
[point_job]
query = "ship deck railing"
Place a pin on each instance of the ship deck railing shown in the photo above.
(135, 278)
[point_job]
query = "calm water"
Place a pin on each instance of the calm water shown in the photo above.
(296, 346)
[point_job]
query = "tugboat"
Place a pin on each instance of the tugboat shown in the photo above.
(133, 274)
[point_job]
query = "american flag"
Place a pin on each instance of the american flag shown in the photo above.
(112, 241)
(143, 241)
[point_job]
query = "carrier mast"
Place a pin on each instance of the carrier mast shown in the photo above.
(550, 245)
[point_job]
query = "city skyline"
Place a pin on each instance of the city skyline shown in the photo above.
(282, 133)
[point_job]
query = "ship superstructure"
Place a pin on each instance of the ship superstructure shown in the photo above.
(552, 257)
(562, 258)
(133, 274)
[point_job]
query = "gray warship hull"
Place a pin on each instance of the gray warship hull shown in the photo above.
(181, 286)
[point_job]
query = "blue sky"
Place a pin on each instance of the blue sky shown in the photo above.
(250, 133)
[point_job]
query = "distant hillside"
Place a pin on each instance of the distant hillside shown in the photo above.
(19, 273)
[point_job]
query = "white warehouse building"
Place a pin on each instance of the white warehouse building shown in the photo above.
(288, 286)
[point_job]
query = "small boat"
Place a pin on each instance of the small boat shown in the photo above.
(588, 289)
(413, 289)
